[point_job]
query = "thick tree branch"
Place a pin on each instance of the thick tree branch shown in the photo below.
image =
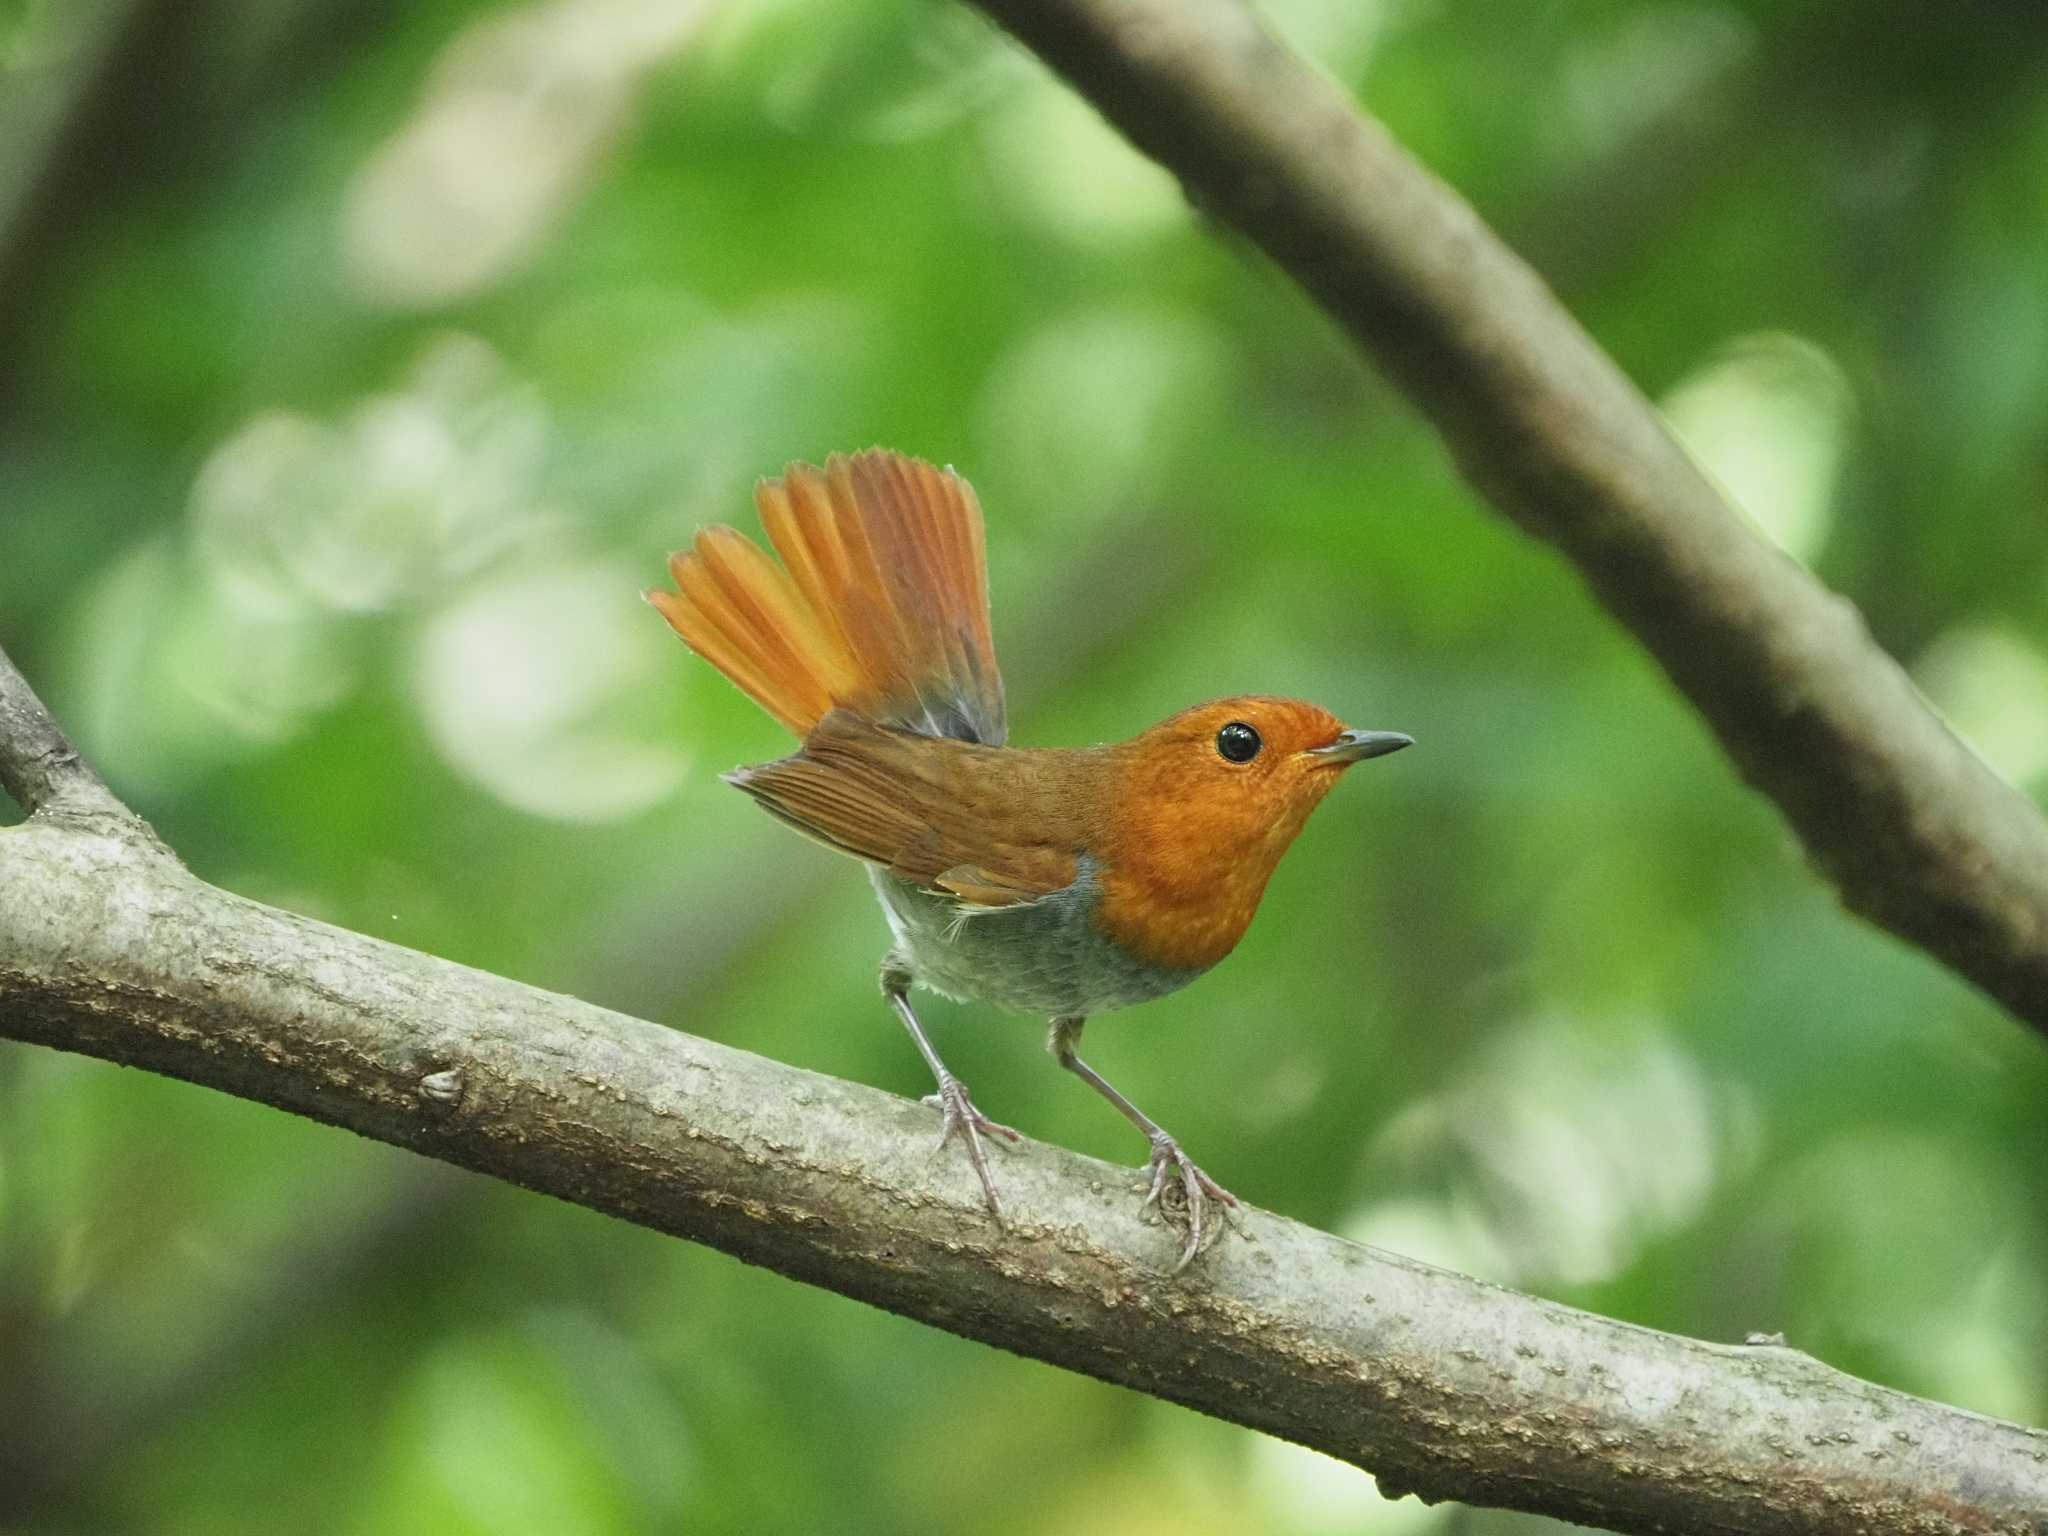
(1917, 834)
(1438, 1384)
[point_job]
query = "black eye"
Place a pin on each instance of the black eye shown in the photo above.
(1238, 742)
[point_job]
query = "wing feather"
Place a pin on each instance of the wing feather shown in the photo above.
(915, 807)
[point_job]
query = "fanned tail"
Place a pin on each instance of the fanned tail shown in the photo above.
(880, 605)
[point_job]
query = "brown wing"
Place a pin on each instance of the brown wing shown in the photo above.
(882, 608)
(969, 820)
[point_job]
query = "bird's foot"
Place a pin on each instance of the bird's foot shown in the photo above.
(963, 1120)
(1195, 1187)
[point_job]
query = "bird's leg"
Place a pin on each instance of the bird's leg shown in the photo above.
(961, 1118)
(1166, 1152)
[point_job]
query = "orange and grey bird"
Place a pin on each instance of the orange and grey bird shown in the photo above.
(1061, 881)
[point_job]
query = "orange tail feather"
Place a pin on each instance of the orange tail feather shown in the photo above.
(880, 605)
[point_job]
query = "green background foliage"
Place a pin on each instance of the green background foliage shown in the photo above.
(358, 366)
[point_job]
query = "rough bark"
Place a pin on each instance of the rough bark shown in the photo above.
(1438, 1384)
(1915, 832)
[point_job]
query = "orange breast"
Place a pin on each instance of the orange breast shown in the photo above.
(1180, 883)
(1166, 927)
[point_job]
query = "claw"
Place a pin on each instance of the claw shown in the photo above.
(1196, 1187)
(962, 1119)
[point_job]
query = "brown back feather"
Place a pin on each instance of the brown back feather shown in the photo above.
(982, 824)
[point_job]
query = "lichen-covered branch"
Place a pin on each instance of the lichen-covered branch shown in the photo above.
(1438, 1384)
(1916, 833)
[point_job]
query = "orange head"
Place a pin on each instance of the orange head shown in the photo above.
(1201, 807)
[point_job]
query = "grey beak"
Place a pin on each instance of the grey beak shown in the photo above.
(1357, 746)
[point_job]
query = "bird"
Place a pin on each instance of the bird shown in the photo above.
(1060, 881)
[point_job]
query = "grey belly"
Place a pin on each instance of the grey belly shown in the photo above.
(1048, 957)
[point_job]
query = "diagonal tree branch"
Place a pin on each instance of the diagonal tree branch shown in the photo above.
(1915, 832)
(1438, 1384)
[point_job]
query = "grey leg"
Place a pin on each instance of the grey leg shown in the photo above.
(961, 1118)
(1166, 1152)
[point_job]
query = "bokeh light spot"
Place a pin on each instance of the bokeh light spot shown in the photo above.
(521, 110)
(1992, 684)
(1769, 421)
(534, 685)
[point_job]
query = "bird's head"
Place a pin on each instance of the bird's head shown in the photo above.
(1242, 773)
(1206, 802)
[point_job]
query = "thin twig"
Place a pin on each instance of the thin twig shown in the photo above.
(1915, 832)
(39, 768)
